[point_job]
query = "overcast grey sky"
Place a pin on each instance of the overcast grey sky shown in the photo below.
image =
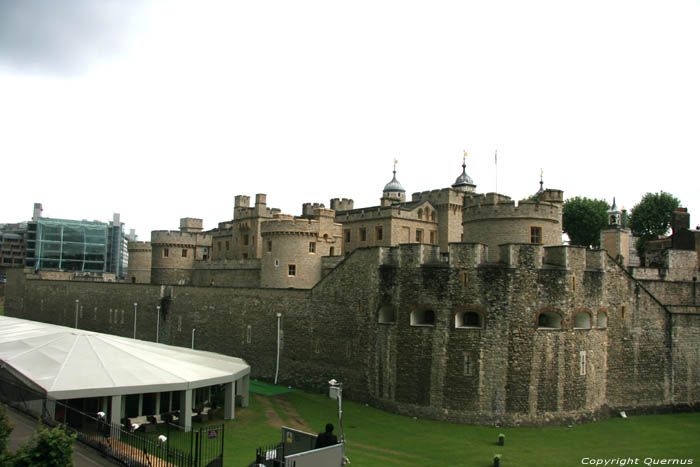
(167, 109)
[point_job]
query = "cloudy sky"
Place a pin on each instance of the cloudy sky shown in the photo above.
(165, 109)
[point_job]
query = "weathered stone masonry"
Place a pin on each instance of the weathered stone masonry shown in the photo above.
(461, 340)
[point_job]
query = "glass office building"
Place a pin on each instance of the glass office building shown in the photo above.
(67, 245)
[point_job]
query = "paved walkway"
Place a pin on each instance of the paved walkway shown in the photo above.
(24, 426)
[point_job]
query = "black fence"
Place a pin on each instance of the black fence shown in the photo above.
(164, 444)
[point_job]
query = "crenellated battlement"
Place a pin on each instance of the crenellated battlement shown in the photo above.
(344, 204)
(139, 246)
(511, 255)
(494, 207)
(285, 224)
(440, 196)
(175, 237)
(307, 209)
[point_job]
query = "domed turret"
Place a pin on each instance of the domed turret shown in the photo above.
(393, 191)
(464, 182)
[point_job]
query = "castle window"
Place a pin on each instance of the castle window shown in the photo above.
(602, 319)
(292, 270)
(465, 279)
(469, 320)
(245, 239)
(379, 233)
(166, 252)
(312, 247)
(549, 320)
(218, 245)
(184, 252)
(582, 362)
(419, 236)
(387, 315)
(535, 234)
(363, 234)
(423, 318)
(433, 237)
(245, 255)
(269, 246)
(433, 217)
(582, 320)
(332, 252)
(347, 236)
(420, 214)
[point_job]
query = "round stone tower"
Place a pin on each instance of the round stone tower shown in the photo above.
(173, 253)
(495, 219)
(293, 249)
(139, 269)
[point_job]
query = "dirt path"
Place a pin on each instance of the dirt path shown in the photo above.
(273, 419)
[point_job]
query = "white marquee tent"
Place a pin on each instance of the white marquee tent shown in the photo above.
(67, 363)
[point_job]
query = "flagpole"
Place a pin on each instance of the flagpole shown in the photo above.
(495, 159)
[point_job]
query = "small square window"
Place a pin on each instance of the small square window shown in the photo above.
(312, 247)
(292, 270)
(166, 252)
(536, 235)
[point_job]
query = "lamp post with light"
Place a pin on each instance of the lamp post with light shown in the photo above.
(339, 393)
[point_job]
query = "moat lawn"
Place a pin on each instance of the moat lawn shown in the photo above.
(378, 438)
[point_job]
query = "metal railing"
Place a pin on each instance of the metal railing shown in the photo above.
(197, 446)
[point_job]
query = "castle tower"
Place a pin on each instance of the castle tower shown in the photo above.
(173, 253)
(464, 183)
(139, 269)
(615, 239)
(393, 191)
(494, 219)
(294, 248)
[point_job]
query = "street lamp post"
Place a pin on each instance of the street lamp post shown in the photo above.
(193, 330)
(341, 435)
(136, 307)
(77, 305)
(157, 323)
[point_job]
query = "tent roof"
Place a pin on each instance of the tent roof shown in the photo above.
(71, 363)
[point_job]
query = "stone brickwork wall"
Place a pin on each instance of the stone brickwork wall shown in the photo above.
(140, 256)
(462, 341)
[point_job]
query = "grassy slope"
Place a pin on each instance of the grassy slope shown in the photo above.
(377, 438)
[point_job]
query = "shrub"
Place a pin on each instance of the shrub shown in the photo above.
(46, 448)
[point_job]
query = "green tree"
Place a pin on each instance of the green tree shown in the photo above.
(583, 219)
(651, 218)
(46, 448)
(5, 430)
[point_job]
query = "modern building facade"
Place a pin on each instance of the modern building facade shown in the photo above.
(76, 246)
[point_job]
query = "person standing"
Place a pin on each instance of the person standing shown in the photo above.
(327, 438)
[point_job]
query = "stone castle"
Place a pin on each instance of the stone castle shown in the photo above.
(454, 306)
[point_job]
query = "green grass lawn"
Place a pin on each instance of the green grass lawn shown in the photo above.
(377, 438)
